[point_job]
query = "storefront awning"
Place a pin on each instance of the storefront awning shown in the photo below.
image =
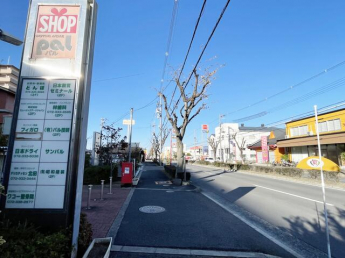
(312, 140)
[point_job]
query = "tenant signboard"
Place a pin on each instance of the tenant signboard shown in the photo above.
(41, 145)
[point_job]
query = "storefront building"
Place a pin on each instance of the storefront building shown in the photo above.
(274, 153)
(301, 141)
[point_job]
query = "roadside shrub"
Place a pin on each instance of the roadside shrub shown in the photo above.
(328, 175)
(85, 235)
(94, 175)
(26, 240)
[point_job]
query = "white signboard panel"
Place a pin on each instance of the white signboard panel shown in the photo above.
(34, 89)
(54, 151)
(20, 196)
(26, 151)
(23, 173)
(49, 197)
(52, 174)
(32, 109)
(61, 89)
(29, 126)
(128, 122)
(57, 130)
(59, 109)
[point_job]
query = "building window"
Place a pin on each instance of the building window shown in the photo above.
(330, 125)
(299, 130)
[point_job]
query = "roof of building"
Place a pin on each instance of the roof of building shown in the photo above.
(12, 66)
(279, 134)
(320, 114)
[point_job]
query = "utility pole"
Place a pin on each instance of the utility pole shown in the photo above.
(130, 137)
(100, 142)
(322, 183)
(220, 137)
(161, 130)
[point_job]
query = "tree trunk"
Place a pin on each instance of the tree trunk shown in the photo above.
(179, 154)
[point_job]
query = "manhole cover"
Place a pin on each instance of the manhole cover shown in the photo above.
(151, 209)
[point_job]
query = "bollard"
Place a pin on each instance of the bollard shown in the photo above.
(102, 187)
(89, 199)
(110, 184)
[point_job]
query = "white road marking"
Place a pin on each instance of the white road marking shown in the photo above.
(298, 196)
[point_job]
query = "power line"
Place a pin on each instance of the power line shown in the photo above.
(190, 45)
(321, 90)
(290, 87)
(321, 111)
(202, 52)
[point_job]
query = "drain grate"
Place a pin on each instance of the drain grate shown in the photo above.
(151, 209)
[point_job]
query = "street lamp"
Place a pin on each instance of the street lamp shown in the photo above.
(4, 36)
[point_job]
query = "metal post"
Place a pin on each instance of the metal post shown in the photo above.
(184, 169)
(220, 137)
(133, 174)
(322, 183)
(130, 137)
(161, 130)
(89, 198)
(102, 188)
(110, 184)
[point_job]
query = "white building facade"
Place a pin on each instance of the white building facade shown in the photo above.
(233, 140)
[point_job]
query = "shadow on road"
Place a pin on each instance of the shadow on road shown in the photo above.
(238, 193)
(308, 230)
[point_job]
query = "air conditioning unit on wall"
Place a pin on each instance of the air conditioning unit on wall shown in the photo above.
(310, 133)
(287, 137)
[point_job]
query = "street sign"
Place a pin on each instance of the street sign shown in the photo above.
(128, 122)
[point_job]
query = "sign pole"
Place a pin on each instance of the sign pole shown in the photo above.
(130, 137)
(322, 183)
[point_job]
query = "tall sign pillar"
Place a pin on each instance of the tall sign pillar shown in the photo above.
(45, 161)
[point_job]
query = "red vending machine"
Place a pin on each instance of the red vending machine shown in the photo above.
(127, 173)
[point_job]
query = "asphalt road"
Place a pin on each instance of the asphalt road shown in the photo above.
(190, 221)
(292, 207)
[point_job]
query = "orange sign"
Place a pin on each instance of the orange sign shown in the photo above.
(56, 32)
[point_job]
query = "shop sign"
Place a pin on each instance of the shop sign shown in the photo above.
(56, 32)
(313, 162)
(204, 128)
(264, 148)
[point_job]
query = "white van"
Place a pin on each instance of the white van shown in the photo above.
(211, 160)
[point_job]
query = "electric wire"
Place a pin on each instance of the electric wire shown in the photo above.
(305, 97)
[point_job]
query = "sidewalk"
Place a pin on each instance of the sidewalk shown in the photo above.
(190, 225)
(102, 213)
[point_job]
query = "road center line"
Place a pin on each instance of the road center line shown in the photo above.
(293, 195)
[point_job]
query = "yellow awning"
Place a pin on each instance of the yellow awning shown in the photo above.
(313, 162)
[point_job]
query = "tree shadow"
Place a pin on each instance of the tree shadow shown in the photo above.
(313, 231)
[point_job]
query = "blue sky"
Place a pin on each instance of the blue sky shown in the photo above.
(266, 47)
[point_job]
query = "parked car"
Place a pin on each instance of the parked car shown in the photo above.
(211, 160)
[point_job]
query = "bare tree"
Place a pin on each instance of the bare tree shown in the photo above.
(189, 103)
(111, 141)
(240, 145)
(214, 145)
(155, 142)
